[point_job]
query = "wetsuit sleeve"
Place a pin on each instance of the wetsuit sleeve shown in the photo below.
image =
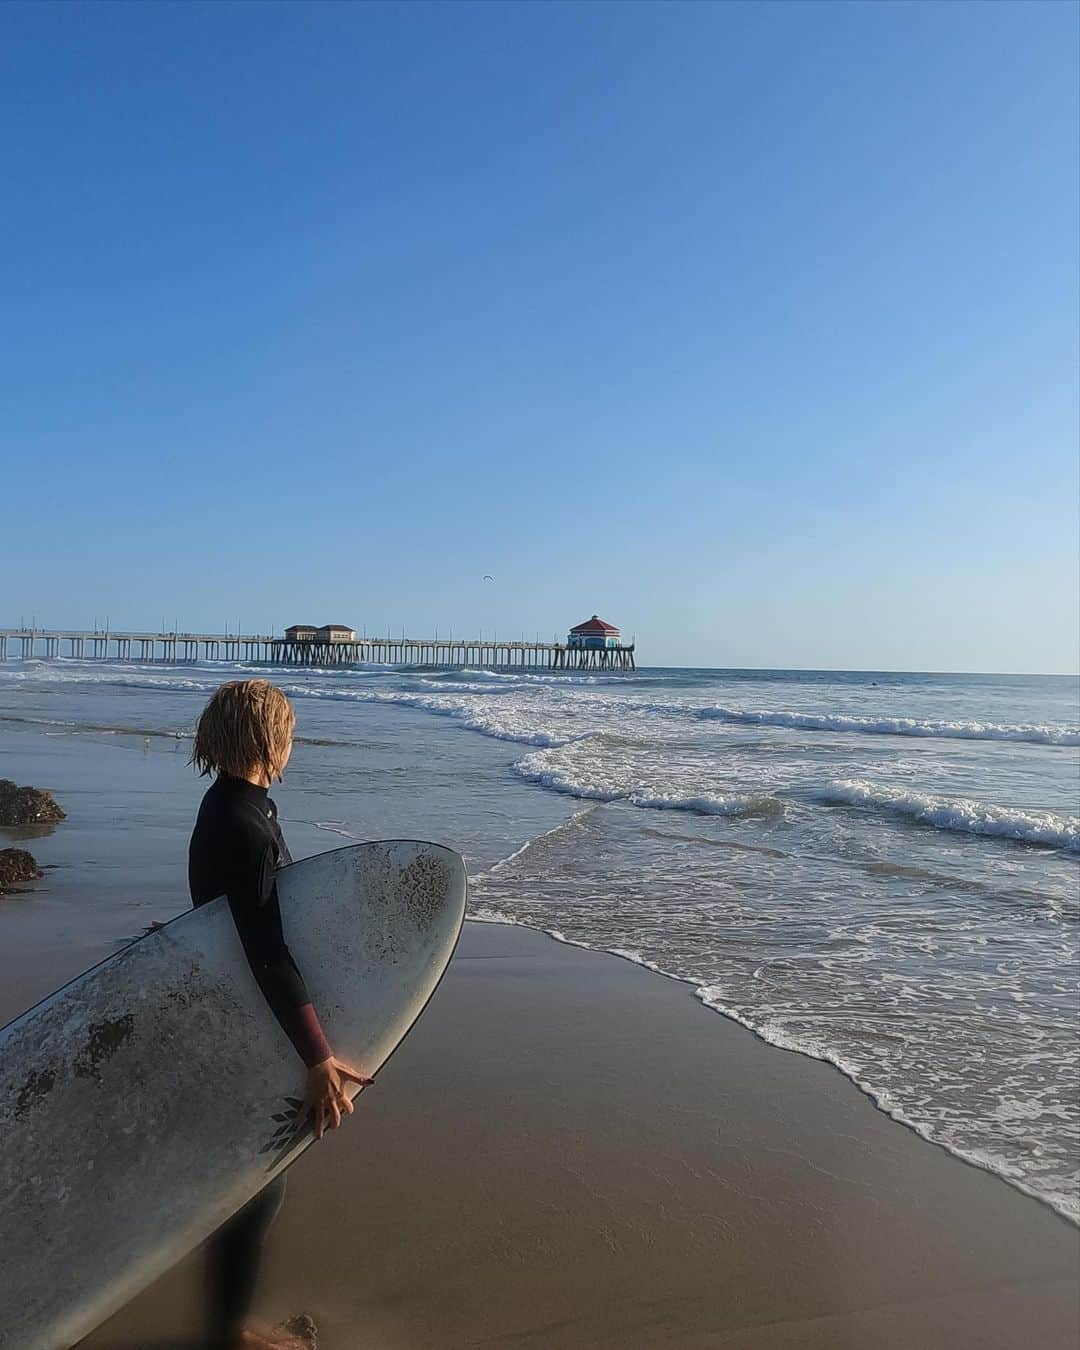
(253, 900)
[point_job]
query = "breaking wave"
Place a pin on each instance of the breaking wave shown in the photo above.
(1033, 733)
(960, 813)
(537, 768)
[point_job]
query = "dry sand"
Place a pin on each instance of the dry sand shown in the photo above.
(570, 1151)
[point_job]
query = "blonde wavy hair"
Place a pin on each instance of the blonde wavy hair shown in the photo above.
(246, 727)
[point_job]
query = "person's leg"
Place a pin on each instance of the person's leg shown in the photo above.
(232, 1263)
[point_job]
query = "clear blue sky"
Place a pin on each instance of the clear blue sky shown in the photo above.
(752, 328)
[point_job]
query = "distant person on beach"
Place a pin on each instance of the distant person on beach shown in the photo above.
(244, 736)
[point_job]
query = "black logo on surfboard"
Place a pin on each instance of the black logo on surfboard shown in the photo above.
(291, 1124)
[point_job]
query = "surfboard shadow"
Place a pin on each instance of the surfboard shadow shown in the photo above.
(143, 1344)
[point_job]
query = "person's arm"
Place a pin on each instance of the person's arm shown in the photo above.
(253, 900)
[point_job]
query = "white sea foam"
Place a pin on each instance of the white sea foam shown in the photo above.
(960, 813)
(521, 720)
(539, 768)
(1034, 733)
(124, 678)
(335, 827)
(482, 676)
(503, 722)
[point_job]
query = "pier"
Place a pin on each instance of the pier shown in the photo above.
(178, 648)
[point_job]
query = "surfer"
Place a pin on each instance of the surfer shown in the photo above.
(244, 736)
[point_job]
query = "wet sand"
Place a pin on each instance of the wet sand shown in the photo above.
(570, 1151)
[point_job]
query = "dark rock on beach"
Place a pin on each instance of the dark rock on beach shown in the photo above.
(17, 866)
(27, 805)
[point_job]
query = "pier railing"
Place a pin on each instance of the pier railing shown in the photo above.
(178, 648)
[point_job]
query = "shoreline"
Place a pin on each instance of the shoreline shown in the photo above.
(569, 1152)
(892, 1113)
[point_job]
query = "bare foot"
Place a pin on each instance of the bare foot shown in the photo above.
(296, 1334)
(261, 1337)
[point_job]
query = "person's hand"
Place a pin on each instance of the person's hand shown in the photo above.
(325, 1098)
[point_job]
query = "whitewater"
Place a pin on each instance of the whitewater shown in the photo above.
(876, 869)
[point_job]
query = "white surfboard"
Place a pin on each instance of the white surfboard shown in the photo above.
(146, 1101)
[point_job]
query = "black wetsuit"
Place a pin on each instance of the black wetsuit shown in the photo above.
(236, 847)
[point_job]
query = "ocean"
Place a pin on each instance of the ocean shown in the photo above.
(878, 870)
